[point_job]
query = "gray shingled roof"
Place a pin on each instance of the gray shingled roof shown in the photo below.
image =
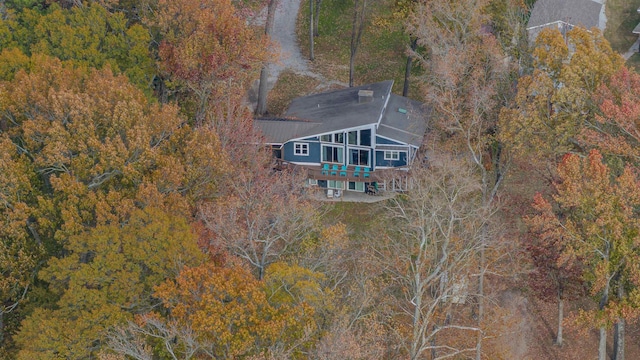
(409, 127)
(585, 13)
(340, 109)
(278, 131)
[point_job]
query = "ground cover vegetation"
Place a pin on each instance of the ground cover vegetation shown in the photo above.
(142, 219)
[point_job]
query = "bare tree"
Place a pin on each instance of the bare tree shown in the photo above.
(264, 214)
(359, 16)
(463, 78)
(433, 245)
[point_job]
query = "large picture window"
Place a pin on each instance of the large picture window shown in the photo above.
(365, 137)
(301, 149)
(360, 137)
(332, 154)
(359, 157)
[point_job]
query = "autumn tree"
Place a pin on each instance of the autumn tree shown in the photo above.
(615, 129)
(213, 312)
(108, 275)
(208, 50)
(89, 36)
(433, 243)
(85, 149)
(555, 102)
(20, 252)
(594, 214)
(554, 277)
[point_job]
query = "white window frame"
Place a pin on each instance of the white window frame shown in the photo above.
(339, 161)
(300, 149)
(393, 155)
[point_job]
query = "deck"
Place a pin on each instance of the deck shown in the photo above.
(394, 179)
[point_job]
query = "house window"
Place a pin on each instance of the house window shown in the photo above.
(353, 138)
(338, 138)
(325, 138)
(359, 157)
(332, 154)
(301, 149)
(335, 184)
(391, 155)
(365, 137)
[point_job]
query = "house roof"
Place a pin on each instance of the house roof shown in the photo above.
(407, 127)
(585, 13)
(278, 131)
(342, 109)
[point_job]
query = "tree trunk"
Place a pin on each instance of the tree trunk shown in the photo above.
(618, 340)
(1, 328)
(407, 70)
(311, 32)
(261, 107)
(316, 20)
(602, 346)
(356, 34)
(618, 331)
(481, 292)
(560, 317)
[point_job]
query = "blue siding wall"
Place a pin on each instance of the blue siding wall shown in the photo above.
(380, 161)
(383, 141)
(314, 153)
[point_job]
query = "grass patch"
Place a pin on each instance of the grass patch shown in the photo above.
(381, 54)
(362, 219)
(622, 17)
(289, 86)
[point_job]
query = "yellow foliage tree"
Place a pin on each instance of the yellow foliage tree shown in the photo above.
(214, 313)
(108, 275)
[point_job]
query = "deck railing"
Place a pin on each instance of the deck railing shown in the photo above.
(393, 178)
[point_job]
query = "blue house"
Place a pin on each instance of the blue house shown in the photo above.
(349, 139)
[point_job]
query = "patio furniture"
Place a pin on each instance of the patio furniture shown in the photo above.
(334, 170)
(343, 170)
(366, 172)
(330, 193)
(325, 169)
(356, 171)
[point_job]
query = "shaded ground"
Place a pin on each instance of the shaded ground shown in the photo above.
(289, 56)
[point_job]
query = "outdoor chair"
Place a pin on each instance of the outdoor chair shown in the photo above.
(366, 172)
(325, 169)
(356, 171)
(343, 171)
(334, 170)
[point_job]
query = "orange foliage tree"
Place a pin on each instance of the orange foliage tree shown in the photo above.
(596, 220)
(209, 50)
(90, 151)
(213, 312)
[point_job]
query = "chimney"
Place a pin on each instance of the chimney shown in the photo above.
(365, 96)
